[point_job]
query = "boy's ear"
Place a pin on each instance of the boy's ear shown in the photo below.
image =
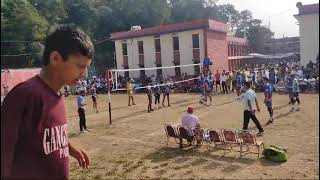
(55, 58)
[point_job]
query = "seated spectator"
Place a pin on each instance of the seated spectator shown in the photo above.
(190, 121)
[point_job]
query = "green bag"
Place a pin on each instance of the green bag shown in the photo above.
(275, 154)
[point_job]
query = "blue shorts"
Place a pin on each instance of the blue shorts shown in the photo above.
(269, 103)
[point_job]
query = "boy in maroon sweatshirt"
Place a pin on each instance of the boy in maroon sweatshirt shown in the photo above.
(34, 134)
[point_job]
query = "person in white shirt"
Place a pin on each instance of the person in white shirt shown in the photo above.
(250, 104)
(223, 81)
(190, 121)
(300, 73)
(249, 76)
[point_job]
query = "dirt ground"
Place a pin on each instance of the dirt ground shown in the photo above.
(134, 146)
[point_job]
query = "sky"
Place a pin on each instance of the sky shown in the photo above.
(278, 12)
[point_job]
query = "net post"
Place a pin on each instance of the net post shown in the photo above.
(116, 76)
(108, 91)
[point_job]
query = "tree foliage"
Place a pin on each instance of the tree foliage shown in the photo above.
(32, 19)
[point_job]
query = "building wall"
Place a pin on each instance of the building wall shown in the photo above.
(149, 54)
(283, 45)
(185, 48)
(186, 53)
(133, 56)
(309, 37)
(119, 57)
(167, 54)
(217, 49)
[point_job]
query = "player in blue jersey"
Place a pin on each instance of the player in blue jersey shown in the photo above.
(295, 89)
(268, 97)
(207, 89)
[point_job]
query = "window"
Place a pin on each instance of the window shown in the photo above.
(140, 47)
(157, 45)
(142, 72)
(159, 71)
(175, 43)
(195, 41)
(124, 49)
(126, 73)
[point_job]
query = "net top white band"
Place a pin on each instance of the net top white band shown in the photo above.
(165, 84)
(153, 68)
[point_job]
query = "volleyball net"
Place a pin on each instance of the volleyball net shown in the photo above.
(141, 78)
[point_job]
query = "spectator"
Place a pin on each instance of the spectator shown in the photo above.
(223, 81)
(239, 83)
(217, 77)
(228, 82)
(234, 78)
(190, 121)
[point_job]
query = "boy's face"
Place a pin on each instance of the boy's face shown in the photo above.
(72, 70)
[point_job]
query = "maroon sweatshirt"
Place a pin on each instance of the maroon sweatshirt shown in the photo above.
(34, 141)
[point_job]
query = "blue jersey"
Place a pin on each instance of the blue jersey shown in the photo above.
(80, 101)
(206, 61)
(272, 77)
(239, 81)
(207, 84)
(268, 91)
(295, 85)
(289, 83)
(210, 79)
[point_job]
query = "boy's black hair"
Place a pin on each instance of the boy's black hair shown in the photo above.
(247, 84)
(67, 40)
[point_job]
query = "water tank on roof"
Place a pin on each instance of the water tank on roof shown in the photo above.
(134, 28)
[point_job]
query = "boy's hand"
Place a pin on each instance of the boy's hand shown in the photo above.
(82, 158)
(80, 155)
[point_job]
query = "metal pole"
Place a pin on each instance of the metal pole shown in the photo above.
(116, 76)
(108, 90)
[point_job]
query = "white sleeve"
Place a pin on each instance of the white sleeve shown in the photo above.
(254, 95)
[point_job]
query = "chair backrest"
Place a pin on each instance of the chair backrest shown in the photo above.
(215, 135)
(171, 132)
(248, 137)
(230, 136)
(199, 134)
(183, 133)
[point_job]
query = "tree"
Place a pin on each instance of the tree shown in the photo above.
(53, 10)
(30, 20)
(21, 21)
(258, 35)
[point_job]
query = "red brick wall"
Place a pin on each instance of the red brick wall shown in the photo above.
(217, 48)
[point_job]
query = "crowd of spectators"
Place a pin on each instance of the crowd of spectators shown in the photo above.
(224, 81)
